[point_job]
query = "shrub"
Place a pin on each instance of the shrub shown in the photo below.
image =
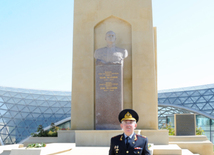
(199, 131)
(42, 133)
(170, 128)
(36, 145)
(52, 134)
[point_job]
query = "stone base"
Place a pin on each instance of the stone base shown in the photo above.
(54, 148)
(70, 149)
(167, 150)
(66, 136)
(157, 137)
(96, 137)
(46, 140)
(102, 137)
(9, 147)
(196, 144)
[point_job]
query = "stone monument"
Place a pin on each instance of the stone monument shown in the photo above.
(131, 20)
(109, 83)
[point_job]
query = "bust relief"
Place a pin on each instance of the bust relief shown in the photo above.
(110, 54)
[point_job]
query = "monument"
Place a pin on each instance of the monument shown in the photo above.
(109, 83)
(132, 23)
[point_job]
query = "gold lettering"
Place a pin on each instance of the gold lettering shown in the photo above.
(108, 73)
(108, 84)
(113, 87)
(114, 77)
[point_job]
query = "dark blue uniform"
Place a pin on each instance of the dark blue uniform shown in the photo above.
(138, 145)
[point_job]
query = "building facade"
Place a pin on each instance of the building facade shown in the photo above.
(198, 100)
(23, 110)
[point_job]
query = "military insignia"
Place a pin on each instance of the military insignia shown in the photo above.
(137, 148)
(127, 116)
(142, 136)
(116, 148)
(135, 137)
(121, 138)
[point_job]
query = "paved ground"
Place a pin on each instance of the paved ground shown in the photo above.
(89, 151)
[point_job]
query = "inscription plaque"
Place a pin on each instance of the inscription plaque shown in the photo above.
(109, 97)
(185, 124)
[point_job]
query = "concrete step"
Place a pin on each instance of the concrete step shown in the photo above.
(197, 147)
(6, 152)
(187, 138)
(53, 148)
(187, 152)
(7, 148)
(89, 151)
(171, 149)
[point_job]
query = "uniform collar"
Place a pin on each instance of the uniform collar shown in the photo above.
(128, 136)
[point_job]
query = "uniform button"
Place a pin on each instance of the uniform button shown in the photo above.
(138, 152)
(127, 151)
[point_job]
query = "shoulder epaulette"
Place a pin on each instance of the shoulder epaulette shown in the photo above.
(142, 136)
(116, 136)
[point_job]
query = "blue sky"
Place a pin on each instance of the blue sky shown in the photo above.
(36, 43)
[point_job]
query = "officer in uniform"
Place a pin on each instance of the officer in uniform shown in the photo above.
(129, 143)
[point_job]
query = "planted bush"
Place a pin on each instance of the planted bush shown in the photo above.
(199, 131)
(170, 128)
(52, 132)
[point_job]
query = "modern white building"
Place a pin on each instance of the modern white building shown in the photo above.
(23, 110)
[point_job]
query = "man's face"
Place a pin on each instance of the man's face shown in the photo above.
(128, 127)
(110, 37)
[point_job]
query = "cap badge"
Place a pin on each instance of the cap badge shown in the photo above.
(128, 115)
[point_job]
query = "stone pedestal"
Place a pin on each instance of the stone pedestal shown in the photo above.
(100, 138)
(109, 96)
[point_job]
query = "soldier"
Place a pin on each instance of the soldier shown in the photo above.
(128, 143)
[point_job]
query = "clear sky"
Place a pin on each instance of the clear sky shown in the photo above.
(36, 43)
